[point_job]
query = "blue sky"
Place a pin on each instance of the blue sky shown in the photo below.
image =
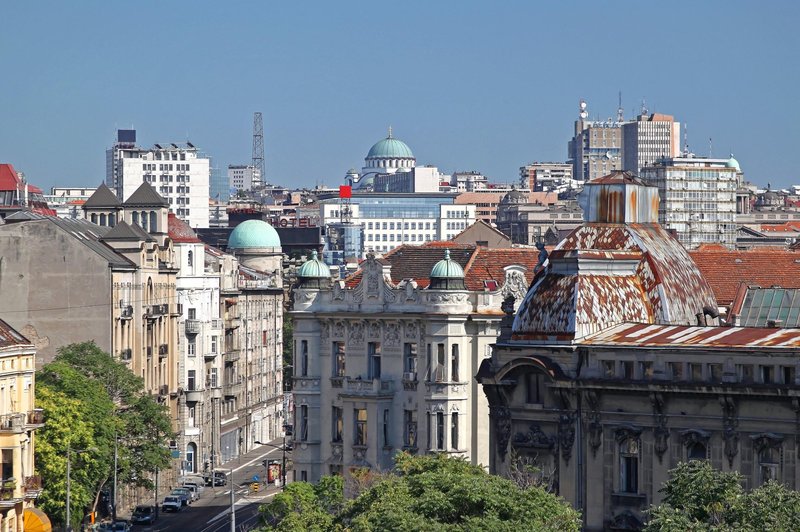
(482, 86)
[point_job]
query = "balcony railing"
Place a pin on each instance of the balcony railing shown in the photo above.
(192, 326)
(209, 356)
(36, 417)
(194, 396)
(232, 389)
(368, 386)
(232, 356)
(12, 422)
(33, 486)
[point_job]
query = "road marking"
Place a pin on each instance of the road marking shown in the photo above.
(240, 502)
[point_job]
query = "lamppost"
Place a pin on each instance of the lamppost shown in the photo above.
(283, 458)
(69, 471)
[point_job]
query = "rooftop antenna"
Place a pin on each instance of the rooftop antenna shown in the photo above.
(258, 147)
(620, 110)
(644, 107)
(685, 139)
(710, 147)
(582, 109)
(390, 132)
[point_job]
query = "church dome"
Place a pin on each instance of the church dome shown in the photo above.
(314, 268)
(390, 148)
(254, 234)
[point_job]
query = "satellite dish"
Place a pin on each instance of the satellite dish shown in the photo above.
(582, 105)
(584, 114)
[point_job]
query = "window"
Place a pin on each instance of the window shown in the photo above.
(696, 451)
(715, 372)
(192, 313)
(766, 374)
(627, 370)
(609, 369)
(191, 348)
(410, 428)
(696, 372)
(374, 353)
(769, 464)
(744, 372)
(303, 422)
(211, 377)
(338, 424)
(304, 358)
(410, 359)
(454, 363)
(191, 413)
(676, 370)
(214, 344)
(190, 258)
(190, 380)
(437, 372)
(629, 466)
(338, 359)
(361, 426)
(440, 431)
(304, 476)
(534, 388)
(788, 374)
(386, 439)
(454, 431)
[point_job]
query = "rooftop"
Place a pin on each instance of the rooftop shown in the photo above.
(9, 336)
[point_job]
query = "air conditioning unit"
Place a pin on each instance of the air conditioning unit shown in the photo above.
(409, 376)
(125, 354)
(163, 390)
(173, 444)
(164, 309)
(127, 311)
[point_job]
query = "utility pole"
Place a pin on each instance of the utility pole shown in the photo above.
(233, 507)
(114, 502)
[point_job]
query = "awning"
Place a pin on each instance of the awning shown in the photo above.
(35, 520)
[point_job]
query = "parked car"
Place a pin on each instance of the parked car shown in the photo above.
(171, 504)
(197, 488)
(120, 525)
(185, 495)
(144, 515)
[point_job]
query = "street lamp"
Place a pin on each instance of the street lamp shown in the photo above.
(69, 470)
(283, 459)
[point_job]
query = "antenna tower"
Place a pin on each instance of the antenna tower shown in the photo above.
(258, 150)
(620, 110)
(685, 139)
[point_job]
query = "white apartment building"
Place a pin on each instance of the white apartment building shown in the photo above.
(243, 177)
(67, 201)
(390, 220)
(698, 198)
(383, 365)
(648, 139)
(545, 177)
(179, 173)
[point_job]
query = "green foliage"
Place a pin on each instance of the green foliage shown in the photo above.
(699, 497)
(102, 400)
(423, 493)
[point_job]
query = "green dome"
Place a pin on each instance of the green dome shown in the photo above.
(447, 268)
(390, 148)
(254, 234)
(314, 268)
(733, 163)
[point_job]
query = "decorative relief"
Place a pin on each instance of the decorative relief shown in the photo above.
(447, 298)
(766, 440)
(324, 330)
(375, 329)
(660, 432)
(566, 435)
(502, 426)
(373, 281)
(392, 335)
(627, 432)
(411, 330)
(338, 291)
(692, 436)
(729, 426)
(338, 329)
(389, 295)
(515, 285)
(356, 333)
(534, 438)
(412, 294)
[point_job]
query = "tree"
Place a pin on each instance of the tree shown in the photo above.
(699, 497)
(111, 401)
(424, 493)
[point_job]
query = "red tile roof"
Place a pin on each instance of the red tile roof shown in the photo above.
(489, 264)
(180, 232)
(787, 227)
(726, 269)
(9, 336)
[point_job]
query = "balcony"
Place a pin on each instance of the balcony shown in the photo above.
(409, 381)
(337, 382)
(8, 495)
(232, 389)
(214, 392)
(35, 418)
(232, 322)
(309, 384)
(194, 396)
(177, 309)
(192, 327)
(33, 486)
(371, 387)
(13, 422)
(209, 356)
(232, 356)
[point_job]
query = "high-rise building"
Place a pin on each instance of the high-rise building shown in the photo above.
(243, 176)
(544, 176)
(179, 173)
(596, 147)
(698, 198)
(648, 139)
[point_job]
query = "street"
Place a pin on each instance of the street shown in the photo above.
(211, 513)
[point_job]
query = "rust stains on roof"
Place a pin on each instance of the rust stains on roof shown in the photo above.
(648, 335)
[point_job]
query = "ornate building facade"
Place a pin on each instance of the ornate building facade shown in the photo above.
(615, 368)
(385, 360)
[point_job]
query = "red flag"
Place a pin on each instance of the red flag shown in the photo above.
(345, 191)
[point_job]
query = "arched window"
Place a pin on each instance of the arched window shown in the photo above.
(454, 363)
(94, 218)
(112, 220)
(696, 451)
(190, 258)
(629, 465)
(769, 459)
(153, 222)
(191, 458)
(135, 218)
